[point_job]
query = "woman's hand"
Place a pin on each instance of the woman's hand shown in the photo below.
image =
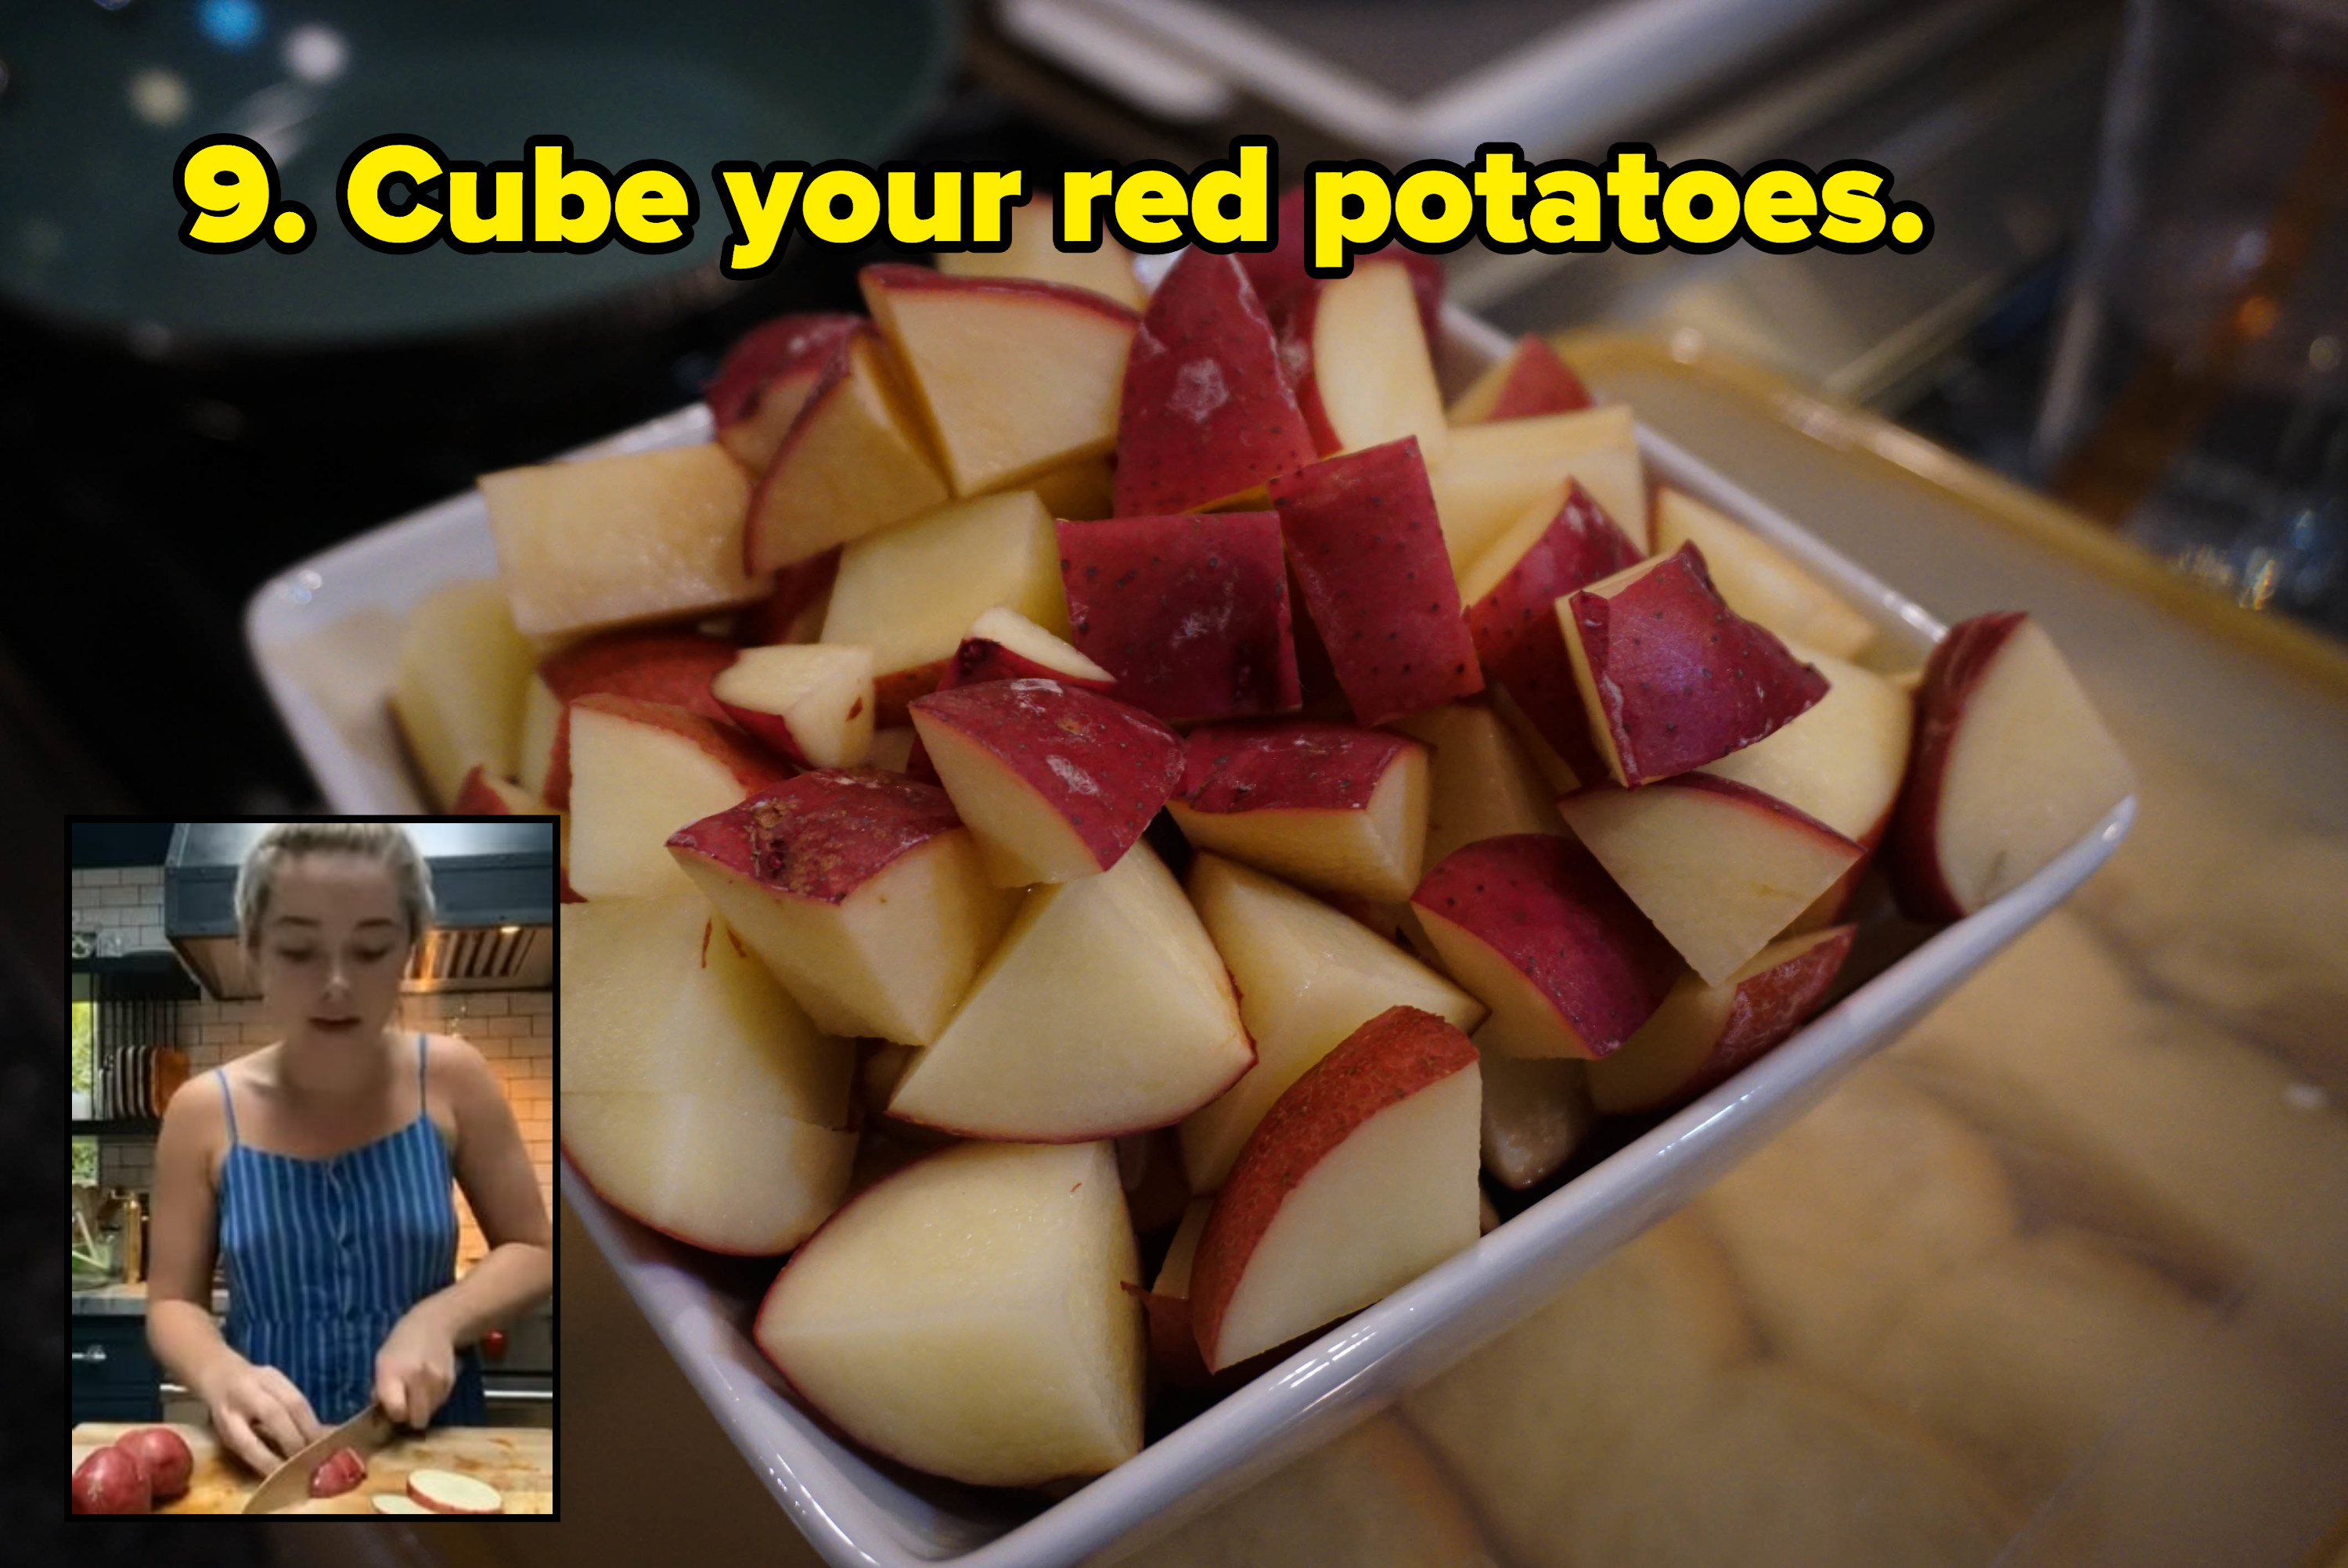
(416, 1369)
(257, 1412)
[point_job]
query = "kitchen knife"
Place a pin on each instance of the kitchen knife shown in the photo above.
(289, 1483)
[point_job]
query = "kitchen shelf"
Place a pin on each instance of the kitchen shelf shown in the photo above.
(148, 1125)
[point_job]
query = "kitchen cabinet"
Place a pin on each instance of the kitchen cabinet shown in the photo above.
(115, 1375)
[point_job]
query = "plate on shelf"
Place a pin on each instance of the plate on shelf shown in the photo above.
(325, 635)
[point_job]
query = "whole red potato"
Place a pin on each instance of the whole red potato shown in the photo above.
(110, 1482)
(163, 1454)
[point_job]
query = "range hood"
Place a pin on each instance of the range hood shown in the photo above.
(494, 884)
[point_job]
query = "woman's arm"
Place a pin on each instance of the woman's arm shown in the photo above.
(494, 1170)
(253, 1408)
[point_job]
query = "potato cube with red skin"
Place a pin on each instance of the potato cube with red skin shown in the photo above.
(1527, 381)
(1719, 867)
(1004, 645)
(862, 892)
(1368, 551)
(1188, 612)
(1703, 1034)
(1358, 1179)
(1354, 351)
(639, 768)
(1015, 377)
(1206, 417)
(1056, 781)
(854, 462)
(673, 667)
(765, 379)
(1512, 593)
(1535, 928)
(1672, 677)
(1329, 806)
(2012, 764)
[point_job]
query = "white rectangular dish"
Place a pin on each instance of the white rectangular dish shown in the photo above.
(325, 635)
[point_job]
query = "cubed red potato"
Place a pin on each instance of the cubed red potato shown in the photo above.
(1353, 349)
(639, 770)
(766, 377)
(1535, 928)
(2011, 766)
(1704, 1033)
(673, 667)
(854, 461)
(1015, 377)
(1670, 677)
(1720, 867)
(1527, 381)
(860, 891)
(1512, 593)
(1358, 1179)
(1329, 806)
(1054, 781)
(1188, 612)
(810, 702)
(1368, 553)
(1206, 417)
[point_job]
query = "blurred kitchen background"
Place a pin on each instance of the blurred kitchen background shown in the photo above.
(2130, 321)
(159, 995)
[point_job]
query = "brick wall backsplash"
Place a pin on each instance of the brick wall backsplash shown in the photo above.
(129, 900)
(513, 1030)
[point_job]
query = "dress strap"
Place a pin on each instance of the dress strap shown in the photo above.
(423, 1044)
(228, 1101)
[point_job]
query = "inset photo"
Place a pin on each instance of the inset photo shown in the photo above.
(313, 1135)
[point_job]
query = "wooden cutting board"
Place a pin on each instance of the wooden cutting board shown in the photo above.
(518, 1461)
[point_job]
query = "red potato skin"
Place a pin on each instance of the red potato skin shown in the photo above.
(1693, 680)
(1368, 553)
(766, 377)
(1286, 765)
(1206, 414)
(1516, 891)
(1960, 662)
(753, 765)
(343, 1471)
(1106, 767)
(823, 834)
(1386, 1061)
(982, 658)
(797, 587)
(1275, 271)
(111, 1481)
(1518, 640)
(484, 795)
(1189, 612)
(1538, 382)
(1770, 1007)
(659, 666)
(163, 1456)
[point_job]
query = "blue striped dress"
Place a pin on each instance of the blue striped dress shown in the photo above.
(325, 1256)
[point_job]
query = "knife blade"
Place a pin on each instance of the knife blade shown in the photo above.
(289, 1483)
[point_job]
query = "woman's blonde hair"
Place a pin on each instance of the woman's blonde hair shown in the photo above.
(385, 842)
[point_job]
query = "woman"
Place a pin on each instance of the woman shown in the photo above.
(319, 1166)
